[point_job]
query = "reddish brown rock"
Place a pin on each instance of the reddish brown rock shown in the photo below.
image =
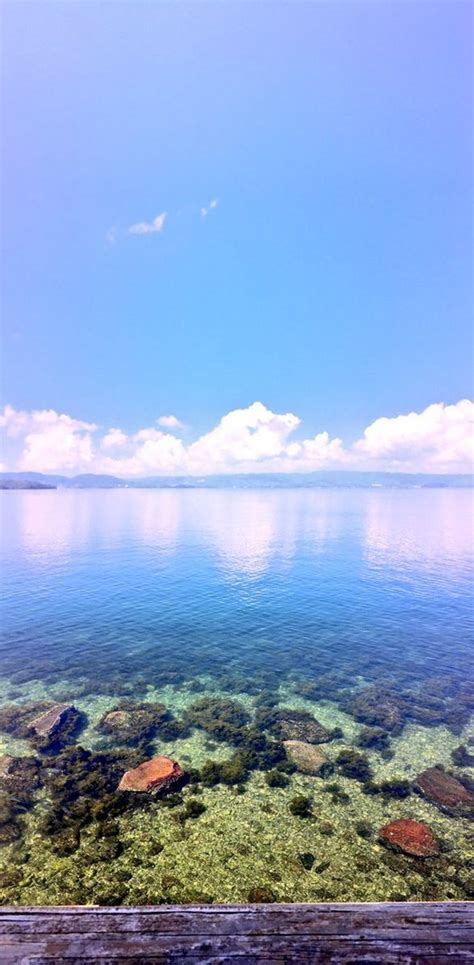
(153, 776)
(411, 837)
(445, 791)
(52, 721)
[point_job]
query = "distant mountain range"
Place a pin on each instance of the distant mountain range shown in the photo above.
(324, 479)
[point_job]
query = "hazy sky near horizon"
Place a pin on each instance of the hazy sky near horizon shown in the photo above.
(210, 204)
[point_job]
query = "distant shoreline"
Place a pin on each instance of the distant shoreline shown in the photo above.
(323, 479)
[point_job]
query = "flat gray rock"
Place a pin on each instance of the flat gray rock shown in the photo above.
(52, 720)
(309, 759)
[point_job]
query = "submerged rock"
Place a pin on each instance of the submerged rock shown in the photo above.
(461, 756)
(378, 707)
(6, 763)
(19, 778)
(412, 837)
(153, 776)
(130, 723)
(299, 725)
(308, 758)
(15, 719)
(354, 765)
(445, 791)
(300, 806)
(53, 720)
(374, 737)
(19, 775)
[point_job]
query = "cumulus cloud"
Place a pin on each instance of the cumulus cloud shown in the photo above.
(242, 437)
(439, 439)
(212, 204)
(252, 439)
(149, 227)
(114, 439)
(170, 422)
(49, 441)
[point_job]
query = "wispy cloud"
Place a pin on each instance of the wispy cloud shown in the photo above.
(212, 204)
(254, 439)
(149, 227)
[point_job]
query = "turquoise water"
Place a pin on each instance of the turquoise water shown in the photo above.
(293, 599)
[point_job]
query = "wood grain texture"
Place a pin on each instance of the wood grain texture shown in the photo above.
(404, 933)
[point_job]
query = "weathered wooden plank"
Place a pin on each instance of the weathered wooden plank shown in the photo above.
(433, 933)
(296, 949)
(167, 918)
(457, 926)
(454, 932)
(444, 936)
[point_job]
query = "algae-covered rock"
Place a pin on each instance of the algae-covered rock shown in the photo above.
(19, 779)
(354, 765)
(363, 829)
(15, 719)
(260, 896)
(308, 758)
(65, 842)
(130, 723)
(373, 737)
(207, 711)
(461, 756)
(223, 719)
(378, 707)
(153, 777)
(276, 778)
(6, 762)
(289, 724)
(193, 809)
(300, 806)
(19, 775)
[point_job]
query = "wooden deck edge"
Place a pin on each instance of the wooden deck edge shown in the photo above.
(398, 932)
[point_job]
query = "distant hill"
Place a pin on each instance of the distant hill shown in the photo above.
(324, 479)
(10, 483)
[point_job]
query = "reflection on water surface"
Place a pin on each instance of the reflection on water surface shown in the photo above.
(205, 621)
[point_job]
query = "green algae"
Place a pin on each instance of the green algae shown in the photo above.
(244, 842)
(218, 844)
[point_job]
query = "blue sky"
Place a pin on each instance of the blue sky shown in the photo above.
(332, 279)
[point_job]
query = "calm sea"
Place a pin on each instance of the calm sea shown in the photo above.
(224, 606)
(157, 581)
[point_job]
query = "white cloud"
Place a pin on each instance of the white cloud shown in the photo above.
(439, 439)
(252, 439)
(114, 439)
(170, 422)
(149, 227)
(111, 235)
(242, 437)
(50, 441)
(212, 204)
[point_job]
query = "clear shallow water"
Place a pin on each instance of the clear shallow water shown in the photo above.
(307, 596)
